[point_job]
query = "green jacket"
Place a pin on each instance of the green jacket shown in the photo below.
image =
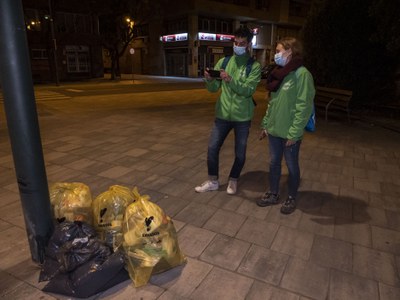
(290, 107)
(235, 102)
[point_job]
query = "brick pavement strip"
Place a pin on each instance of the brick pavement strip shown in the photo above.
(341, 243)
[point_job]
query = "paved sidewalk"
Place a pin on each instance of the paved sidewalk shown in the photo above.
(343, 241)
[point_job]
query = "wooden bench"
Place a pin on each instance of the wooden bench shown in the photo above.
(333, 100)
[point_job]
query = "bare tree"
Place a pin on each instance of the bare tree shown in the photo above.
(119, 21)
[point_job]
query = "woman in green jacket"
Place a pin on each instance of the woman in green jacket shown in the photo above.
(292, 93)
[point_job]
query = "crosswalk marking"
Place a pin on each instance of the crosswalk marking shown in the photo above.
(45, 95)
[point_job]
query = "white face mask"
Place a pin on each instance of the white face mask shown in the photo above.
(239, 50)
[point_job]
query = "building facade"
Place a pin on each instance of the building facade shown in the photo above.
(63, 39)
(195, 34)
(65, 43)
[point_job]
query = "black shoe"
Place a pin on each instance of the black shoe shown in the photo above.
(268, 199)
(288, 206)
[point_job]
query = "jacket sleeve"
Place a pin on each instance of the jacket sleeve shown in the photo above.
(248, 87)
(265, 118)
(304, 105)
(214, 84)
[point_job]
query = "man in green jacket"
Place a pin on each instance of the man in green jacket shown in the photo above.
(234, 109)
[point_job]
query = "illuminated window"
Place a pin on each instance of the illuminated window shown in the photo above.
(78, 59)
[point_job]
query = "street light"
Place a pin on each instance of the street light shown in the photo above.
(132, 51)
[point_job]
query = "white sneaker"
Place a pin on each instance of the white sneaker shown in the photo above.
(232, 187)
(206, 186)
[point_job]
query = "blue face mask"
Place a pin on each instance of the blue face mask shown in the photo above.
(280, 60)
(239, 50)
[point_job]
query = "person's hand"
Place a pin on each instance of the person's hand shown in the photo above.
(225, 76)
(207, 75)
(290, 143)
(263, 134)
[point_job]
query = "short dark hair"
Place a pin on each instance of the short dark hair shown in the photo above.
(244, 32)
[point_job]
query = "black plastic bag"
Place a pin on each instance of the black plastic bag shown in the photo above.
(78, 264)
(63, 234)
(90, 278)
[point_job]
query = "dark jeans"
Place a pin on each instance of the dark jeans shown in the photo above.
(218, 135)
(277, 149)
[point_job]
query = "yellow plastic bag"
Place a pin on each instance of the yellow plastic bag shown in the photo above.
(150, 240)
(108, 213)
(71, 201)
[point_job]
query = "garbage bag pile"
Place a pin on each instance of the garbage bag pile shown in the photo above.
(99, 243)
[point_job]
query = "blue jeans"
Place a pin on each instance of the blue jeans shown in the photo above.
(218, 135)
(277, 149)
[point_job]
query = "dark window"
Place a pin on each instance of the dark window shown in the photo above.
(215, 25)
(39, 54)
(262, 4)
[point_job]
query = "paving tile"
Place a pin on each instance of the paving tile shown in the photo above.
(155, 181)
(391, 189)
(306, 278)
(309, 201)
(340, 180)
(172, 205)
(317, 224)
(380, 266)
(275, 216)
(340, 207)
(263, 264)
(137, 152)
(393, 220)
(251, 209)
(225, 252)
(193, 240)
(127, 291)
(168, 295)
(26, 291)
(4, 225)
(80, 164)
(258, 232)
(391, 203)
(183, 280)
(386, 240)
(225, 222)
(195, 214)
(332, 253)
(27, 271)
(371, 215)
(325, 187)
(348, 286)
(114, 172)
(367, 185)
(268, 292)
(234, 286)
(8, 283)
(293, 242)
(8, 197)
(354, 172)
(177, 188)
(387, 292)
(356, 233)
